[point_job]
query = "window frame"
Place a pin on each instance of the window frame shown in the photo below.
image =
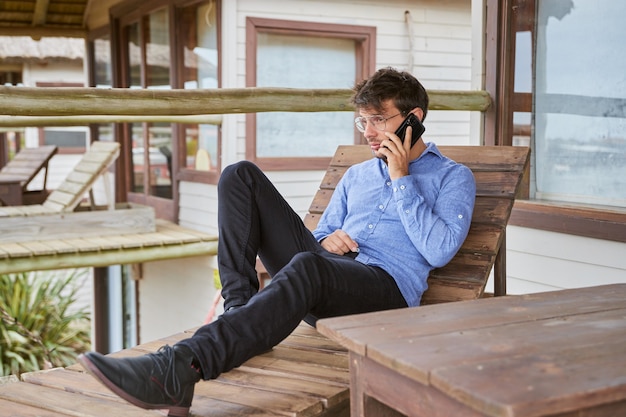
(365, 38)
(121, 16)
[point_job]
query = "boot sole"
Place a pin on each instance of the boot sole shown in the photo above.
(173, 411)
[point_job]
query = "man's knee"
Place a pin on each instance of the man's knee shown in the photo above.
(308, 264)
(237, 171)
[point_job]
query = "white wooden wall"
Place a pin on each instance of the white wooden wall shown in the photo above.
(174, 295)
(539, 261)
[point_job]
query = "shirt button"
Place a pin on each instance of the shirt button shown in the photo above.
(407, 211)
(388, 183)
(371, 226)
(402, 187)
(395, 189)
(460, 216)
(381, 207)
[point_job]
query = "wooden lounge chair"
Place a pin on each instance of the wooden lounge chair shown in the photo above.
(71, 191)
(17, 174)
(498, 171)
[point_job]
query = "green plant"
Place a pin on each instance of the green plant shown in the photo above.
(39, 327)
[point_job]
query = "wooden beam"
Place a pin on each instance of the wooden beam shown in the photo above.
(39, 32)
(40, 13)
(87, 12)
(59, 101)
(107, 258)
(47, 121)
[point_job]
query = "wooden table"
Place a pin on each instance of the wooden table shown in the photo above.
(559, 353)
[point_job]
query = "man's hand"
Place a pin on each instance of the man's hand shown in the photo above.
(340, 243)
(397, 152)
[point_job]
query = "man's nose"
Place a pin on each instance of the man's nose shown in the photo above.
(370, 131)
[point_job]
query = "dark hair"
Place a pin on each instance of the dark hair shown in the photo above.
(401, 87)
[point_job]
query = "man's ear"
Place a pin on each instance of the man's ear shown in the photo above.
(419, 113)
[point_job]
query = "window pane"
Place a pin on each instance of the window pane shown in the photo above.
(201, 63)
(157, 67)
(580, 102)
(134, 56)
(135, 129)
(523, 62)
(103, 68)
(103, 79)
(304, 62)
(157, 39)
(160, 159)
(138, 159)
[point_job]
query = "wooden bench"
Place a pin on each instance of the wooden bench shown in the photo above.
(306, 374)
(498, 172)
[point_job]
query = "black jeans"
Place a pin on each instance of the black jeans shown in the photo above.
(307, 281)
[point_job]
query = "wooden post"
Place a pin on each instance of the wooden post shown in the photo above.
(4, 150)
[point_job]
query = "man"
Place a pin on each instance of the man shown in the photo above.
(390, 221)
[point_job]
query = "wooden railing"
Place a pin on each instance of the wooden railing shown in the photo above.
(61, 106)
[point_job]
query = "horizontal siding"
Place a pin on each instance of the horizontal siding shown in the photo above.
(198, 202)
(198, 206)
(297, 187)
(541, 261)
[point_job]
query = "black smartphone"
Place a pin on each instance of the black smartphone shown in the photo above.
(417, 128)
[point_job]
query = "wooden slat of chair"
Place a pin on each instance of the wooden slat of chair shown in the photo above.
(498, 172)
(28, 162)
(19, 172)
(93, 163)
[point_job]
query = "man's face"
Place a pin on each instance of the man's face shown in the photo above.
(376, 123)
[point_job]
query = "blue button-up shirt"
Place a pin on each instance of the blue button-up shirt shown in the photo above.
(406, 226)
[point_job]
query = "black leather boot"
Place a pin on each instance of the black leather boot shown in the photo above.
(161, 380)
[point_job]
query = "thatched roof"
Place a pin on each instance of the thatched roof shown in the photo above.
(20, 49)
(23, 49)
(43, 17)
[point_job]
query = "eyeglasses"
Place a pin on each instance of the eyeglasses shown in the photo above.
(379, 122)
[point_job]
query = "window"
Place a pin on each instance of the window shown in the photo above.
(201, 71)
(303, 55)
(565, 73)
(580, 102)
(65, 138)
(10, 76)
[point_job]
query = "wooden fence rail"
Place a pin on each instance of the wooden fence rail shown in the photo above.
(37, 106)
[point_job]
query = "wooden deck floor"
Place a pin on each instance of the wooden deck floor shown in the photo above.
(167, 242)
(305, 375)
